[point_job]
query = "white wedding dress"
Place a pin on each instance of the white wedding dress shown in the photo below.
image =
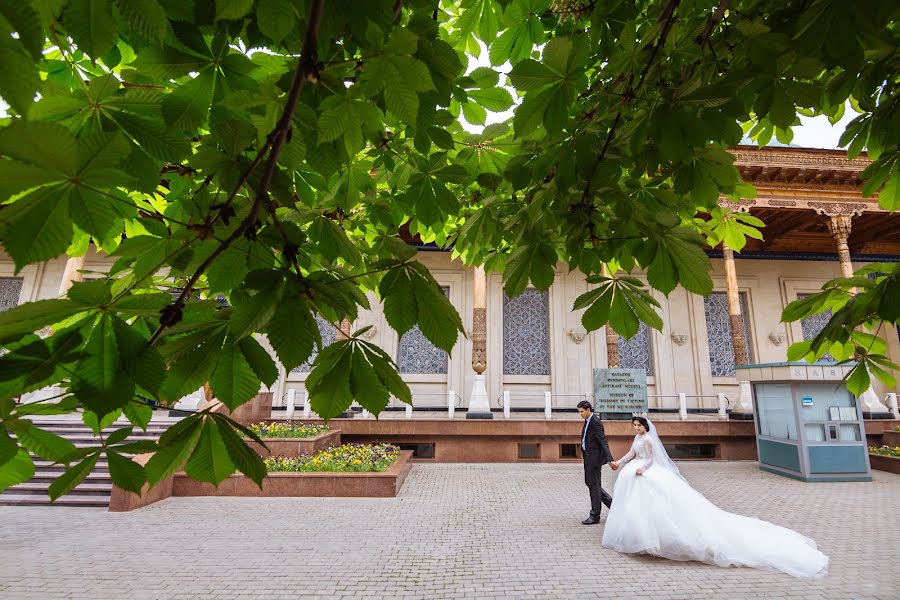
(659, 513)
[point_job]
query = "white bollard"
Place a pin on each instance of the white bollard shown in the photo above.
(548, 405)
(892, 403)
(451, 403)
(682, 406)
(409, 411)
(723, 405)
(506, 403)
(307, 409)
(291, 404)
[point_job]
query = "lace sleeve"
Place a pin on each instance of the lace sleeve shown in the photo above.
(622, 461)
(649, 462)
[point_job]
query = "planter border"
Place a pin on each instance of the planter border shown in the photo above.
(279, 484)
(881, 462)
(293, 447)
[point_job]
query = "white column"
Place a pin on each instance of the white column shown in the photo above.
(408, 411)
(307, 409)
(892, 403)
(290, 404)
(723, 405)
(682, 406)
(506, 404)
(548, 405)
(451, 403)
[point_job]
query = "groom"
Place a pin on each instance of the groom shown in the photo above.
(596, 454)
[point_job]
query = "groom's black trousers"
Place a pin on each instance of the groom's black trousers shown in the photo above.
(599, 496)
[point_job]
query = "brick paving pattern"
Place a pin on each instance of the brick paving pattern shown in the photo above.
(456, 531)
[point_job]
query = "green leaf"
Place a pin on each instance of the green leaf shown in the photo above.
(398, 295)
(24, 21)
(191, 368)
(176, 450)
(275, 18)
(253, 314)
(889, 196)
(292, 331)
(328, 384)
(74, 475)
(531, 75)
(100, 366)
(126, 473)
(48, 145)
(91, 25)
(210, 461)
(232, 9)
(233, 381)
(138, 414)
(146, 17)
(259, 360)
(245, 459)
(45, 444)
(36, 228)
(32, 316)
(153, 137)
(693, 265)
(187, 107)
(858, 380)
(493, 99)
(19, 79)
(17, 470)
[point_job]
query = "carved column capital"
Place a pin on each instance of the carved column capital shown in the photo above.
(840, 227)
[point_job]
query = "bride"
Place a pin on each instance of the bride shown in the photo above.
(657, 512)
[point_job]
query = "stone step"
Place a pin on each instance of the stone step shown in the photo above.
(45, 466)
(43, 500)
(47, 476)
(87, 489)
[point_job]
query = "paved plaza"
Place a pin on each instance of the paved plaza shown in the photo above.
(456, 531)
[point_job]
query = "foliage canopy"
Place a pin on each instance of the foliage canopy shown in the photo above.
(277, 153)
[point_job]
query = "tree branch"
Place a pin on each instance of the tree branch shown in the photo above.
(667, 16)
(306, 70)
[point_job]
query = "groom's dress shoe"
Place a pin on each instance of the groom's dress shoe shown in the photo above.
(590, 521)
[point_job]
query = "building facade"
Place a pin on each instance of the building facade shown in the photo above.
(818, 227)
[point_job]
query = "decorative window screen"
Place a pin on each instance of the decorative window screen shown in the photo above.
(526, 333)
(635, 353)
(327, 331)
(813, 326)
(718, 330)
(416, 354)
(10, 290)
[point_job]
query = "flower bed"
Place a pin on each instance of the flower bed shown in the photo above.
(287, 429)
(346, 458)
(291, 439)
(885, 458)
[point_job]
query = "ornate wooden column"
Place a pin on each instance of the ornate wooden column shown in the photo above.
(743, 404)
(479, 405)
(840, 226)
(735, 313)
(612, 340)
(840, 230)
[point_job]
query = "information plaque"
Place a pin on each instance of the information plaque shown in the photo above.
(620, 391)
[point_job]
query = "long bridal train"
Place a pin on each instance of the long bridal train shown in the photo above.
(659, 513)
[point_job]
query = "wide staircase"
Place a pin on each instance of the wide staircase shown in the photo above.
(96, 489)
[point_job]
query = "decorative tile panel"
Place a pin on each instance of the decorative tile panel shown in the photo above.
(813, 326)
(635, 353)
(328, 333)
(10, 290)
(718, 330)
(415, 354)
(526, 333)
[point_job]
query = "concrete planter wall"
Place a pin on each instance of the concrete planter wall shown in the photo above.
(277, 485)
(289, 484)
(891, 438)
(891, 464)
(293, 447)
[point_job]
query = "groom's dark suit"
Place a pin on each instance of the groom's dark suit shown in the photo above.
(596, 454)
